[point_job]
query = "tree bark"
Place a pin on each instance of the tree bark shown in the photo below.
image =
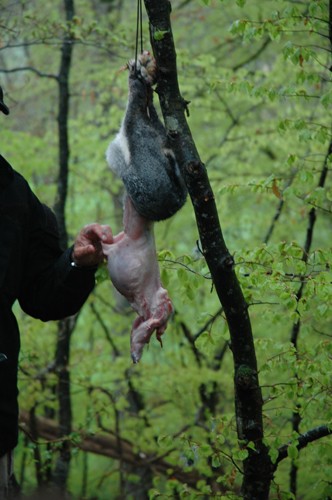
(248, 398)
(304, 439)
(66, 326)
(63, 113)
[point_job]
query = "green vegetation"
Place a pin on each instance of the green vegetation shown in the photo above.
(257, 75)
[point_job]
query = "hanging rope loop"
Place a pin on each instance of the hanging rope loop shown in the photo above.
(139, 31)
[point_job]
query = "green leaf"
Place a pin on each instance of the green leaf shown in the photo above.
(215, 461)
(292, 451)
(274, 453)
(102, 274)
(159, 34)
(241, 454)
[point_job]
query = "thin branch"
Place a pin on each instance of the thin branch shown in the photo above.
(278, 210)
(296, 416)
(30, 68)
(253, 56)
(208, 323)
(187, 333)
(58, 43)
(304, 439)
(100, 320)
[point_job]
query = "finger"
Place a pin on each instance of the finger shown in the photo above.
(92, 232)
(98, 232)
(107, 235)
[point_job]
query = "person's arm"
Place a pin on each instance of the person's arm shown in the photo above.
(55, 283)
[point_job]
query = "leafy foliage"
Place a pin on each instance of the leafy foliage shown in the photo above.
(257, 75)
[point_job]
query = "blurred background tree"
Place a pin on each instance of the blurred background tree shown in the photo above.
(258, 78)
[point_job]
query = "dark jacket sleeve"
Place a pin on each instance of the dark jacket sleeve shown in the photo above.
(51, 287)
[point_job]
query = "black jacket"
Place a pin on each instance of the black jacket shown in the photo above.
(34, 270)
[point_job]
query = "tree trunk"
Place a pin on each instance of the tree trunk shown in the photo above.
(66, 326)
(248, 398)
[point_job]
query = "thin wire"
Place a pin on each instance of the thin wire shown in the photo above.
(141, 25)
(139, 30)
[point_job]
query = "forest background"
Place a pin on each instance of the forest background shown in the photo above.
(257, 75)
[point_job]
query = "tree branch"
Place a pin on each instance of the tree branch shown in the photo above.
(116, 352)
(253, 56)
(107, 446)
(304, 439)
(29, 68)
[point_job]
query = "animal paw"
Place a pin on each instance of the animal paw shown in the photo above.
(145, 68)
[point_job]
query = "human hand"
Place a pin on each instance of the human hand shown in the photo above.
(87, 251)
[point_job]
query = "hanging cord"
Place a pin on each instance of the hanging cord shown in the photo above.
(139, 31)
